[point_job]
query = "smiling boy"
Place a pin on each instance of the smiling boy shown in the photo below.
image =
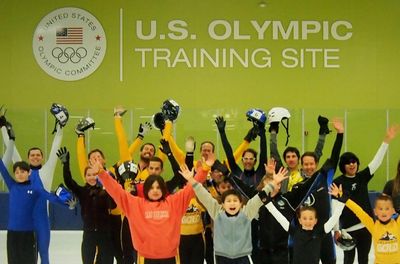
(232, 220)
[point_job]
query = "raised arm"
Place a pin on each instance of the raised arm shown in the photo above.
(64, 156)
(6, 176)
(46, 173)
(337, 146)
(362, 215)
(11, 154)
(273, 146)
(124, 200)
(380, 154)
(323, 131)
(263, 151)
(177, 180)
(122, 139)
(220, 122)
(253, 205)
(337, 208)
(212, 206)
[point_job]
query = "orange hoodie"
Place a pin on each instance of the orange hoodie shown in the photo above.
(155, 226)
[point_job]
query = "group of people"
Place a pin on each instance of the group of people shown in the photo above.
(210, 210)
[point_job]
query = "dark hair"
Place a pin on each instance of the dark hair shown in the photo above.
(149, 182)
(384, 197)
(35, 148)
(224, 180)
(157, 159)
(306, 208)
(221, 167)
(148, 144)
(22, 165)
(346, 158)
(291, 149)
(309, 154)
(253, 151)
(209, 142)
(86, 169)
(231, 192)
(396, 182)
(94, 151)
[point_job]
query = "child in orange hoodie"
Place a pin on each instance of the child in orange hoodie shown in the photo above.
(155, 220)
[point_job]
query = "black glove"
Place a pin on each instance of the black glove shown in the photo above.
(274, 126)
(260, 127)
(323, 125)
(251, 134)
(165, 147)
(3, 119)
(63, 155)
(221, 123)
(10, 131)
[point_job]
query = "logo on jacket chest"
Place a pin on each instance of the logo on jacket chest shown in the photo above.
(156, 215)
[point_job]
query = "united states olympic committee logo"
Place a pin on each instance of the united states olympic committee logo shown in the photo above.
(69, 44)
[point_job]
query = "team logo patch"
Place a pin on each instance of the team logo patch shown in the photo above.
(69, 44)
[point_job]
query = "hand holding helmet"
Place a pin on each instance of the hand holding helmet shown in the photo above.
(170, 109)
(60, 113)
(83, 125)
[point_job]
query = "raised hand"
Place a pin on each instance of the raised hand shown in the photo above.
(63, 155)
(221, 123)
(165, 148)
(144, 129)
(119, 111)
(338, 125)
(210, 159)
(391, 133)
(186, 173)
(270, 166)
(280, 176)
(251, 134)
(72, 203)
(336, 191)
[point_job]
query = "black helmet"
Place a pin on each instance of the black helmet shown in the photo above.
(346, 241)
(170, 109)
(128, 170)
(60, 113)
(84, 124)
(158, 121)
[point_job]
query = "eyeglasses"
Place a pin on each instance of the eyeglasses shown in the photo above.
(248, 159)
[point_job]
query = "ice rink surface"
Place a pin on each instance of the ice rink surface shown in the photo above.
(65, 248)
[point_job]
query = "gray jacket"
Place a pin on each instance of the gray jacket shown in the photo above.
(232, 235)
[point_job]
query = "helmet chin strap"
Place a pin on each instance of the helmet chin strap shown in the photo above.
(286, 128)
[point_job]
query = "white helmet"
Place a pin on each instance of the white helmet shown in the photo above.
(277, 114)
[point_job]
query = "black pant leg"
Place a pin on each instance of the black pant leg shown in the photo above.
(129, 253)
(21, 247)
(209, 246)
(191, 249)
(328, 252)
